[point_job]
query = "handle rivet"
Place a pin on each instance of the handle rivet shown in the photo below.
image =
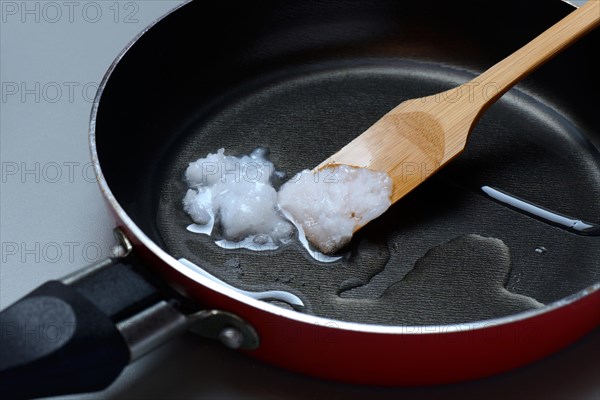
(231, 337)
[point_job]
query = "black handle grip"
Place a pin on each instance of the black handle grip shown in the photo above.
(62, 338)
(55, 341)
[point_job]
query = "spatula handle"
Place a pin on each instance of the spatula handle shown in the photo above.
(458, 109)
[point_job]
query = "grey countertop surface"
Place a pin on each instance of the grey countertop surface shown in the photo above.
(53, 219)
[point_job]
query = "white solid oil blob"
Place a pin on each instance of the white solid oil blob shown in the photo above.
(325, 207)
(333, 202)
(238, 192)
(198, 204)
(317, 255)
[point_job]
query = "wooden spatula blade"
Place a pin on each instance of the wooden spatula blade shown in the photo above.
(418, 137)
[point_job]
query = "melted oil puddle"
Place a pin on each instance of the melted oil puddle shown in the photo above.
(567, 223)
(264, 242)
(454, 282)
(278, 295)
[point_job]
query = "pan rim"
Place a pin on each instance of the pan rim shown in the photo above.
(267, 307)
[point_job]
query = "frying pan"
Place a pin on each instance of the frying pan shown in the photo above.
(448, 274)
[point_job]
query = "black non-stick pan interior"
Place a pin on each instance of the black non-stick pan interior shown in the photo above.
(303, 79)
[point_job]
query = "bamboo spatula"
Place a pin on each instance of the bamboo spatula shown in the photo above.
(420, 136)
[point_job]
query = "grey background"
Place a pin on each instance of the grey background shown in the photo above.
(53, 220)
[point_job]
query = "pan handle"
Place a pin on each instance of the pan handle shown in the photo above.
(73, 336)
(55, 341)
